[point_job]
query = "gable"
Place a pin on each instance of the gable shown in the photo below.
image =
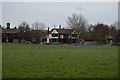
(74, 32)
(54, 31)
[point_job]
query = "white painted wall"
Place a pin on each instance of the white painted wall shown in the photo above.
(50, 37)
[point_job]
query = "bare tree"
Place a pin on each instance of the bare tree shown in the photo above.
(24, 26)
(38, 32)
(38, 26)
(78, 23)
(24, 31)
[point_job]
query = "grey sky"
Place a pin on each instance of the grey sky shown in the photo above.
(52, 13)
(0, 12)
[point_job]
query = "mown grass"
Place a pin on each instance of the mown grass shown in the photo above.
(59, 61)
(0, 61)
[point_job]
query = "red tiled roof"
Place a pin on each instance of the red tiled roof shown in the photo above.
(63, 31)
(10, 31)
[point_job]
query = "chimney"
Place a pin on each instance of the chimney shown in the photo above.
(54, 26)
(8, 25)
(15, 27)
(48, 30)
(59, 26)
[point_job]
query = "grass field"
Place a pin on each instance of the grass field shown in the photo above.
(59, 61)
(0, 61)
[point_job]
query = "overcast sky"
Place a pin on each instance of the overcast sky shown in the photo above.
(56, 13)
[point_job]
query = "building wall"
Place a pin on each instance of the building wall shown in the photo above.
(15, 40)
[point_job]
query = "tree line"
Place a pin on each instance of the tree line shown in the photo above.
(99, 32)
(35, 33)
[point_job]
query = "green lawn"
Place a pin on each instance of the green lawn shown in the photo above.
(0, 61)
(59, 61)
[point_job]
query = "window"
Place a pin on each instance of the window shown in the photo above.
(73, 35)
(54, 35)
